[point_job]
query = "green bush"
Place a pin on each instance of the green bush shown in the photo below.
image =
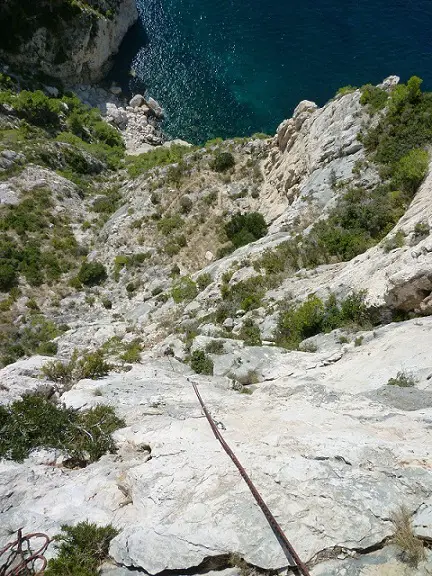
(82, 550)
(222, 161)
(360, 220)
(201, 363)
(169, 224)
(129, 261)
(184, 290)
(245, 228)
(410, 170)
(132, 353)
(92, 273)
(47, 349)
(396, 241)
(103, 132)
(373, 97)
(246, 294)
(90, 365)
(403, 380)
(186, 204)
(60, 372)
(34, 422)
(131, 287)
(8, 277)
(421, 229)
(34, 337)
(250, 333)
(34, 242)
(346, 90)
(203, 281)
(314, 316)
(215, 347)
(211, 198)
(406, 125)
(37, 108)
(225, 250)
(213, 142)
(108, 203)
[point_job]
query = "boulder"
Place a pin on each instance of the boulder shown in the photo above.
(155, 107)
(136, 101)
(116, 116)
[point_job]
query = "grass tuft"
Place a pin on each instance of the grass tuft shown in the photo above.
(411, 547)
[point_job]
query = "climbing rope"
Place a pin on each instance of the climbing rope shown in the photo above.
(18, 559)
(291, 555)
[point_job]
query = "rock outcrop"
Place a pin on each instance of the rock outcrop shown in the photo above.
(73, 42)
(310, 152)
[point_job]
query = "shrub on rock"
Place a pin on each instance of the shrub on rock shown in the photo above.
(8, 277)
(245, 228)
(92, 273)
(82, 550)
(35, 422)
(315, 316)
(223, 161)
(201, 363)
(185, 290)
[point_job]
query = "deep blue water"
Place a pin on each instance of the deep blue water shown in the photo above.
(234, 67)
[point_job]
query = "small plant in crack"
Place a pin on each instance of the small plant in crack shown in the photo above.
(411, 548)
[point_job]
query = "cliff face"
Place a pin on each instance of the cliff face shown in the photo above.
(334, 428)
(72, 41)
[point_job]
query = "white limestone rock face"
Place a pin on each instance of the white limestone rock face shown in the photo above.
(310, 151)
(82, 49)
(23, 377)
(331, 461)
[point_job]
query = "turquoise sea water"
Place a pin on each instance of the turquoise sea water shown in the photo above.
(234, 67)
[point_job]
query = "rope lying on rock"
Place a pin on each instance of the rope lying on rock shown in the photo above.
(290, 553)
(19, 560)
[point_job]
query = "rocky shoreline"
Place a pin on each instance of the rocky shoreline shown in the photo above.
(139, 120)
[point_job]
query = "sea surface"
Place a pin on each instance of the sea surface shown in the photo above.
(235, 67)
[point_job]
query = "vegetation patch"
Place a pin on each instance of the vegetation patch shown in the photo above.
(222, 161)
(92, 273)
(81, 550)
(35, 422)
(201, 363)
(184, 290)
(373, 97)
(168, 224)
(403, 379)
(34, 243)
(137, 165)
(90, 365)
(129, 261)
(315, 316)
(245, 228)
(63, 133)
(215, 347)
(35, 336)
(203, 281)
(245, 295)
(346, 90)
(250, 333)
(364, 216)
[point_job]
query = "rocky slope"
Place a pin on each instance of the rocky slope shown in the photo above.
(334, 449)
